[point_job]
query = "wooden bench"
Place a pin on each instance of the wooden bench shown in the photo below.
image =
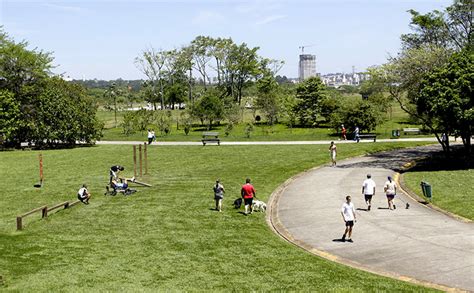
(411, 130)
(210, 137)
(368, 136)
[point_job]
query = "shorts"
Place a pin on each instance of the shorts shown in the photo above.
(368, 197)
(390, 196)
(121, 185)
(217, 197)
(248, 201)
(81, 198)
(349, 223)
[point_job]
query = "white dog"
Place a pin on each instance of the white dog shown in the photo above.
(259, 206)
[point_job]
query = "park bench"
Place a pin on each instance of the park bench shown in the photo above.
(210, 137)
(411, 130)
(368, 136)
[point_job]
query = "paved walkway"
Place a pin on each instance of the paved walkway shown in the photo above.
(327, 142)
(417, 244)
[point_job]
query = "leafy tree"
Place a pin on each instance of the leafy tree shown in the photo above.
(267, 98)
(151, 63)
(208, 108)
(446, 99)
(362, 114)
(9, 115)
(113, 92)
(309, 94)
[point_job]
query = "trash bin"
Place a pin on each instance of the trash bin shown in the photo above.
(395, 133)
(426, 188)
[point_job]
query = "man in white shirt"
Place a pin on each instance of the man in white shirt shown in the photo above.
(368, 190)
(390, 189)
(349, 216)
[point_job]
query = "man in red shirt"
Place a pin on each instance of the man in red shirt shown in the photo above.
(248, 193)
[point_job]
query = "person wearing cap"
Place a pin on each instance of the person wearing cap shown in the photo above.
(248, 193)
(368, 190)
(349, 216)
(390, 189)
(83, 194)
(218, 195)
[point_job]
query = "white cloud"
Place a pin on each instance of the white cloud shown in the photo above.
(269, 19)
(65, 8)
(208, 17)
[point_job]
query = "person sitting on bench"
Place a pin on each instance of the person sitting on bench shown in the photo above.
(83, 194)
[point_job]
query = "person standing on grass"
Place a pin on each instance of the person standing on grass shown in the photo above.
(390, 189)
(333, 150)
(349, 216)
(219, 195)
(368, 190)
(83, 194)
(248, 193)
(114, 172)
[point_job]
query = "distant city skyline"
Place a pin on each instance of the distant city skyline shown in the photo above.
(100, 39)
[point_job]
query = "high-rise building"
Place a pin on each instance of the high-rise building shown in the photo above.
(307, 66)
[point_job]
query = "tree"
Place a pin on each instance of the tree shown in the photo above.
(309, 94)
(362, 114)
(113, 92)
(446, 99)
(267, 98)
(208, 108)
(9, 115)
(151, 63)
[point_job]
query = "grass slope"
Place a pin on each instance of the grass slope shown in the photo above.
(452, 190)
(165, 237)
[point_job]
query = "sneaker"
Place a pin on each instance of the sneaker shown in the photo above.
(349, 240)
(343, 238)
(394, 207)
(132, 179)
(368, 208)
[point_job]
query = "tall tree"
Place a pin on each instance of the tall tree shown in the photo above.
(151, 63)
(446, 99)
(309, 93)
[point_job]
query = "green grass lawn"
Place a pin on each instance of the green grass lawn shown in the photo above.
(397, 119)
(452, 190)
(166, 237)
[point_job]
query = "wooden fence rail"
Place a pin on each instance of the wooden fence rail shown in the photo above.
(44, 212)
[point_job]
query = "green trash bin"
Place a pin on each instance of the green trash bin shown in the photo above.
(426, 188)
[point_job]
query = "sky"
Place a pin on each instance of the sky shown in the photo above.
(101, 38)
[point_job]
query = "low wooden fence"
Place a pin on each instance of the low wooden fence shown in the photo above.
(44, 211)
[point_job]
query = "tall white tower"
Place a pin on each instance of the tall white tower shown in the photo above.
(307, 66)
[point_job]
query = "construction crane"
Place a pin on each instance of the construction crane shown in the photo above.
(305, 46)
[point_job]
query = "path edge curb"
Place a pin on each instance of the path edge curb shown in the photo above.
(277, 227)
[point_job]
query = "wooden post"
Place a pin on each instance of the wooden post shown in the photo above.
(140, 159)
(19, 225)
(135, 161)
(44, 212)
(41, 167)
(145, 158)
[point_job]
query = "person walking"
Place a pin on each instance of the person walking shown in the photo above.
(343, 132)
(218, 195)
(248, 193)
(150, 136)
(356, 134)
(390, 189)
(333, 151)
(368, 190)
(349, 216)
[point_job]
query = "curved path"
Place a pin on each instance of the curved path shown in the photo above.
(417, 244)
